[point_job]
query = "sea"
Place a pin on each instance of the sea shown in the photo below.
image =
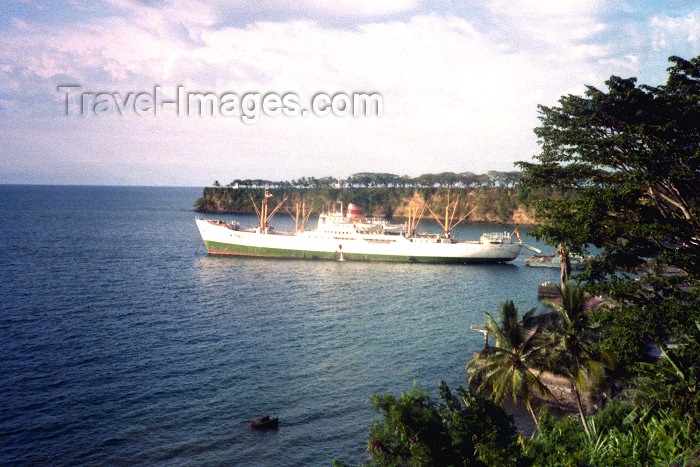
(123, 343)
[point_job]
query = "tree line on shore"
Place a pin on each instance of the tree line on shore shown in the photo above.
(492, 178)
(626, 163)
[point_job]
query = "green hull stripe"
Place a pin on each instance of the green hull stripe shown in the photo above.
(218, 248)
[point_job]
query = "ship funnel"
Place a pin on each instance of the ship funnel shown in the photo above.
(355, 211)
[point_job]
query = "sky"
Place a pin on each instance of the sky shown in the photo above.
(459, 83)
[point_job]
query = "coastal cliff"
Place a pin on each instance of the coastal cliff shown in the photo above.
(487, 204)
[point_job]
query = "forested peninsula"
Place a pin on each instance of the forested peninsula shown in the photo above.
(492, 197)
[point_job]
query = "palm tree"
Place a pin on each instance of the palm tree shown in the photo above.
(506, 367)
(570, 350)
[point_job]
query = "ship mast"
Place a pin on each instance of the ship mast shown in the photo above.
(304, 215)
(449, 222)
(414, 219)
(300, 217)
(263, 213)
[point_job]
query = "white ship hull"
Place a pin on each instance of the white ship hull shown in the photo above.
(222, 239)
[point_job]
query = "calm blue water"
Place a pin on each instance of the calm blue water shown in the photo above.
(123, 343)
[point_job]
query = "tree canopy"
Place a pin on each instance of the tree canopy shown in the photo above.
(459, 429)
(625, 164)
(493, 178)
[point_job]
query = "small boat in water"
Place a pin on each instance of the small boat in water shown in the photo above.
(547, 290)
(554, 261)
(264, 423)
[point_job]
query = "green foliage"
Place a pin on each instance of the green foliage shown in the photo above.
(618, 438)
(626, 164)
(460, 429)
(672, 385)
(661, 440)
(506, 368)
(496, 202)
(557, 442)
(491, 179)
(571, 351)
(626, 344)
(655, 422)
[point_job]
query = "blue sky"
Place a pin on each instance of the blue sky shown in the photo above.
(460, 82)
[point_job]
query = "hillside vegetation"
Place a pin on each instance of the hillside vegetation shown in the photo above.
(490, 198)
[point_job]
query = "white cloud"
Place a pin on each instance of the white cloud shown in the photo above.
(460, 88)
(553, 24)
(215, 11)
(667, 31)
(362, 8)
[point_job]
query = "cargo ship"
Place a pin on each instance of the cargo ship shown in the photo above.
(349, 235)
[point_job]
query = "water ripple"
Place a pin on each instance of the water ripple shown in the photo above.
(121, 346)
